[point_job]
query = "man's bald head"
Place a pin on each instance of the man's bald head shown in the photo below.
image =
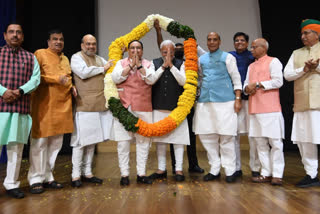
(89, 45)
(213, 34)
(262, 42)
(259, 48)
(213, 41)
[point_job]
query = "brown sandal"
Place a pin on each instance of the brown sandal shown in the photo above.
(261, 179)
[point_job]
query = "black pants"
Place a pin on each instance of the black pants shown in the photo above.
(191, 149)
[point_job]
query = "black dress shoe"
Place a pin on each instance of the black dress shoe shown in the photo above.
(196, 169)
(210, 177)
(15, 193)
(307, 181)
(155, 175)
(231, 178)
(179, 177)
(92, 180)
(76, 183)
(255, 174)
(124, 181)
(144, 180)
(238, 173)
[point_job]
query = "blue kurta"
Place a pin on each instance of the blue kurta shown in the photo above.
(15, 127)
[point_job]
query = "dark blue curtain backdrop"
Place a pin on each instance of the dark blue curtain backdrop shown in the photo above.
(7, 14)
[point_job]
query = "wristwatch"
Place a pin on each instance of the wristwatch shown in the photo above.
(257, 85)
(21, 92)
(139, 67)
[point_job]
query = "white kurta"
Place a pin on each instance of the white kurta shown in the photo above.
(218, 118)
(119, 133)
(90, 127)
(178, 136)
(305, 125)
(243, 118)
(270, 125)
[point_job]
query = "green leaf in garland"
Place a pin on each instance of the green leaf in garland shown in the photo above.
(178, 30)
(127, 119)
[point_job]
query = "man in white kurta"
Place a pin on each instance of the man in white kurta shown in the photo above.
(92, 120)
(303, 68)
(131, 75)
(166, 88)
(215, 119)
(266, 123)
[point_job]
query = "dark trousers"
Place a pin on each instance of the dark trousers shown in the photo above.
(191, 149)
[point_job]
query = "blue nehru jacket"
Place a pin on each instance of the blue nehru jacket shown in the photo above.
(244, 59)
(216, 82)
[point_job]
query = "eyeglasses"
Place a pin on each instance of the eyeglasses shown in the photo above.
(239, 40)
(255, 47)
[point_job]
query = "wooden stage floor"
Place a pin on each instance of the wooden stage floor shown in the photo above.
(166, 196)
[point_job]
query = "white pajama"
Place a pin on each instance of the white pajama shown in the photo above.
(142, 151)
(267, 130)
(14, 154)
(243, 129)
(220, 151)
(162, 154)
(305, 133)
(43, 155)
(125, 138)
(82, 160)
(309, 158)
(238, 152)
(178, 137)
(272, 160)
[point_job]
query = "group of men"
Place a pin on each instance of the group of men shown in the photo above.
(238, 94)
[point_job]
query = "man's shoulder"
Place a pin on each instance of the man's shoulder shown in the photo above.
(204, 55)
(234, 53)
(41, 51)
(302, 49)
(77, 54)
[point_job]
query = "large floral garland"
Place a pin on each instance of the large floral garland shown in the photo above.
(186, 99)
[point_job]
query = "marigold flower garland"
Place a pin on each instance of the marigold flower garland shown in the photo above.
(186, 99)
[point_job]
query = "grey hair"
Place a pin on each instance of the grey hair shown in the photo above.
(167, 42)
(316, 33)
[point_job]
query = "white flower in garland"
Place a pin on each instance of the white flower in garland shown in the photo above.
(110, 89)
(163, 21)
